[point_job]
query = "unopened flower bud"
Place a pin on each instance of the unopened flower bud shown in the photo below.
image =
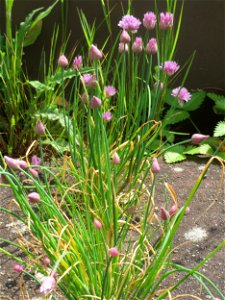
(33, 172)
(155, 165)
(39, 128)
(198, 138)
(62, 61)
(95, 102)
(116, 159)
(97, 224)
(18, 268)
(125, 37)
(113, 251)
(34, 197)
(46, 261)
(35, 160)
(122, 47)
(164, 214)
(173, 210)
(137, 45)
(11, 162)
(95, 53)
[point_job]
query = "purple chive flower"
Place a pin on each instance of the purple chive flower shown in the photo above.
(164, 214)
(47, 285)
(110, 91)
(39, 128)
(125, 37)
(182, 94)
(107, 116)
(137, 45)
(18, 268)
(155, 165)
(77, 62)
(149, 20)
(97, 224)
(35, 160)
(62, 61)
(94, 53)
(151, 47)
(116, 159)
(166, 20)
(113, 251)
(197, 138)
(95, 102)
(170, 67)
(34, 197)
(89, 80)
(122, 47)
(129, 23)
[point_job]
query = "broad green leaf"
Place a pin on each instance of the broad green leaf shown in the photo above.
(60, 145)
(173, 157)
(176, 116)
(215, 97)
(32, 34)
(175, 154)
(197, 99)
(221, 155)
(219, 129)
(202, 149)
(39, 87)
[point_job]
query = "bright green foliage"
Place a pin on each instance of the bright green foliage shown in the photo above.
(220, 129)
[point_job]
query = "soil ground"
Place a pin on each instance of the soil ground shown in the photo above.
(201, 231)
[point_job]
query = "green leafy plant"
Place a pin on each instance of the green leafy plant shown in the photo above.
(16, 102)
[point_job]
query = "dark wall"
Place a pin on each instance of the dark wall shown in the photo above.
(202, 30)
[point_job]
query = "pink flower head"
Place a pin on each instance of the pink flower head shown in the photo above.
(151, 47)
(35, 160)
(46, 261)
(95, 102)
(113, 251)
(97, 224)
(39, 128)
(95, 53)
(110, 91)
(155, 165)
(62, 61)
(47, 285)
(173, 210)
(137, 45)
(129, 23)
(166, 20)
(197, 138)
(149, 20)
(34, 197)
(125, 37)
(18, 268)
(170, 67)
(77, 62)
(182, 94)
(116, 159)
(164, 214)
(107, 116)
(89, 80)
(122, 47)
(216, 298)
